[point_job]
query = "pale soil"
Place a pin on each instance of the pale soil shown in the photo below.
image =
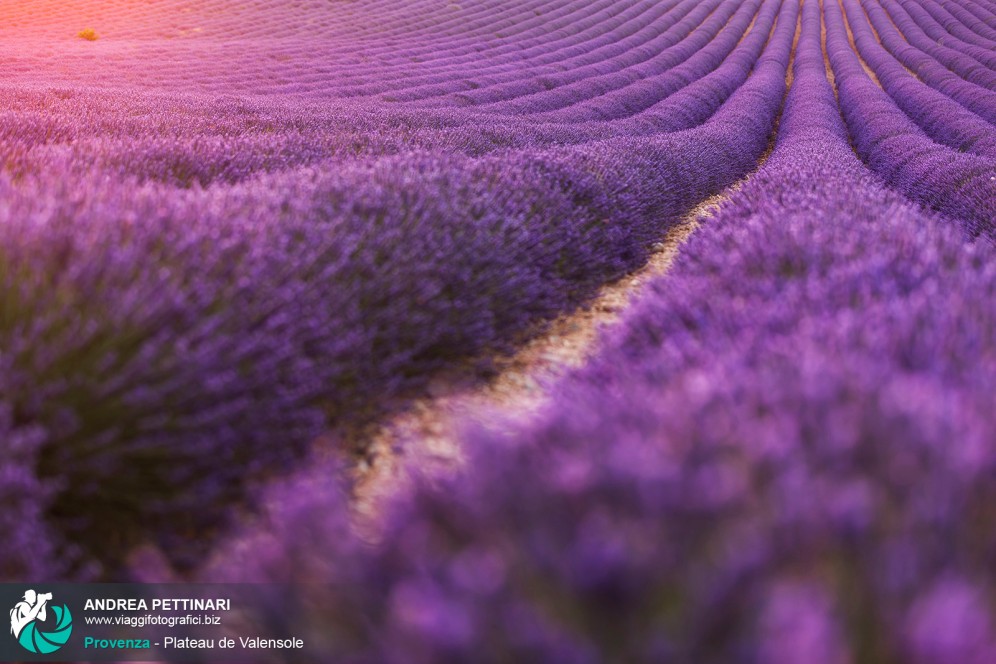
(854, 48)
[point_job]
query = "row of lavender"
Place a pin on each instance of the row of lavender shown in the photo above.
(784, 453)
(177, 323)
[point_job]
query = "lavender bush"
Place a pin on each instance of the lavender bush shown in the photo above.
(941, 117)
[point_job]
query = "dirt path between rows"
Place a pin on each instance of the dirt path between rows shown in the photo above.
(426, 434)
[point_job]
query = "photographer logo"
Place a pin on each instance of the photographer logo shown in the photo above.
(31, 627)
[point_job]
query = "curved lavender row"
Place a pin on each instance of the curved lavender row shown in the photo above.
(592, 25)
(965, 14)
(645, 78)
(423, 28)
(961, 186)
(638, 39)
(799, 471)
(557, 89)
(659, 115)
(974, 9)
(37, 143)
(980, 101)
(942, 118)
(527, 35)
(953, 18)
(968, 68)
(696, 102)
(587, 84)
(923, 18)
(266, 141)
(417, 19)
(607, 31)
(687, 62)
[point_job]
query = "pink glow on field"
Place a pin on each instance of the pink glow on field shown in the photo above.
(229, 46)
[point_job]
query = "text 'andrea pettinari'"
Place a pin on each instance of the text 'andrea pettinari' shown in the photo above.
(158, 604)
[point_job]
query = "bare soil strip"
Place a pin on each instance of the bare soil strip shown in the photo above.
(854, 47)
(426, 434)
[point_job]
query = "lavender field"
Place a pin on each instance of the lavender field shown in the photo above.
(239, 238)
